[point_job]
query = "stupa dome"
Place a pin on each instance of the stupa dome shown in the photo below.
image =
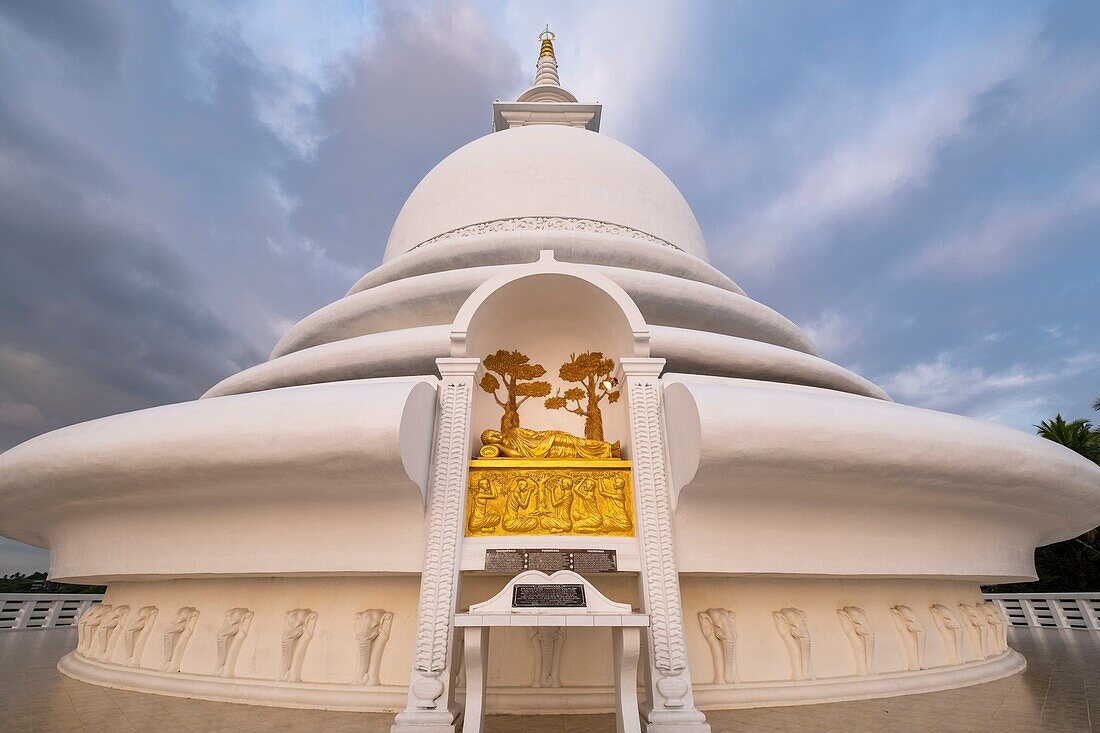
(546, 171)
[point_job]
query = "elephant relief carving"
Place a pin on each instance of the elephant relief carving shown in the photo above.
(720, 631)
(548, 642)
(108, 632)
(861, 636)
(87, 626)
(795, 631)
(912, 636)
(998, 626)
(372, 631)
(975, 622)
(231, 636)
(298, 627)
(138, 633)
(176, 637)
(950, 632)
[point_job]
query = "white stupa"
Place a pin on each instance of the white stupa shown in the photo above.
(304, 534)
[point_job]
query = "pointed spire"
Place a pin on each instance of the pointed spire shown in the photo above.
(546, 71)
(547, 102)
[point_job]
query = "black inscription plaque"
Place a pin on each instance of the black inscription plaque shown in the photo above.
(505, 561)
(594, 561)
(548, 595)
(550, 560)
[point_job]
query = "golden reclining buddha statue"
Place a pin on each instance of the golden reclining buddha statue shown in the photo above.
(520, 442)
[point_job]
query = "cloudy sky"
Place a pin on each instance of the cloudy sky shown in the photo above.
(916, 184)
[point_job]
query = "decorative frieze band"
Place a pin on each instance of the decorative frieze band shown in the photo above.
(550, 223)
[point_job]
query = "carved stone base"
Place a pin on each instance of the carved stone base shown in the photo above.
(428, 721)
(680, 721)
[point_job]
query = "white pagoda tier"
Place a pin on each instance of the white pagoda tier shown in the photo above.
(304, 534)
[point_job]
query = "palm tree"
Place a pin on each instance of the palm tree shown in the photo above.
(1096, 405)
(1076, 435)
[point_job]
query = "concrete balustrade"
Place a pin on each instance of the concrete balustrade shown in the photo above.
(1050, 610)
(19, 611)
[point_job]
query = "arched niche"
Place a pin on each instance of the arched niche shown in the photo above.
(550, 311)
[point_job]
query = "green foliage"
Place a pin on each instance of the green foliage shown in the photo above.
(1077, 435)
(21, 583)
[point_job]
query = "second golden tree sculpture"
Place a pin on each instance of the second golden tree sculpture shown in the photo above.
(593, 372)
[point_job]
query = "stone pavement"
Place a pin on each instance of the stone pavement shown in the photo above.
(1059, 693)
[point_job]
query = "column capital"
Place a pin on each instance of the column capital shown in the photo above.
(457, 366)
(641, 366)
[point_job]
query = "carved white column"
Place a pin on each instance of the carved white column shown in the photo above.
(431, 705)
(669, 706)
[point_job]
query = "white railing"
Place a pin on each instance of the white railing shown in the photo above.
(19, 611)
(1050, 610)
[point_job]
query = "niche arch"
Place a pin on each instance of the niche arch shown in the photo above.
(549, 310)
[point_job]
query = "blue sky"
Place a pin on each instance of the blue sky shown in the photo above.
(916, 184)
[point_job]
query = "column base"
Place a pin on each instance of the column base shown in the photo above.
(674, 721)
(428, 721)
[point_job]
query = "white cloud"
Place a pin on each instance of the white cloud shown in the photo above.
(834, 334)
(299, 49)
(1007, 232)
(953, 382)
(895, 136)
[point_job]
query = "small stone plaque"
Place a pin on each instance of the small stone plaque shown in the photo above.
(550, 560)
(547, 595)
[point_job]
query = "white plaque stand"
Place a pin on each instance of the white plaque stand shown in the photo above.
(597, 610)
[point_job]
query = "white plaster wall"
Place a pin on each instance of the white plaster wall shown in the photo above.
(798, 480)
(435, 298)
(546, 170)
(299, 480)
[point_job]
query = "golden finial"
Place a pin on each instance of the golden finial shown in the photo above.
(547, 37)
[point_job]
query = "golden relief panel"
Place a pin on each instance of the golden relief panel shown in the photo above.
(549, 497)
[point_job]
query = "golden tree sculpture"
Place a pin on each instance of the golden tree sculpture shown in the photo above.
(593, 372)
(518, 376)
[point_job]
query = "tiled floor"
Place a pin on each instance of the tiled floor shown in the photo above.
(1053, 696)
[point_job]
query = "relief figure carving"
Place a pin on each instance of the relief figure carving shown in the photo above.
(861, 636)
(718, 626)
(176, 637)
(298, 627)
(998, 626)
(912, 636)
(87, 626)
(548, 499)
(482, 518)
(548, 642)
(231, 636)
(587, 517)
(520, 510)
(976, 623)
(138, 634)
(615, 514)
(372, 631)
(950, 632)
(556, 506)
(108, 631)
(795, 631)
